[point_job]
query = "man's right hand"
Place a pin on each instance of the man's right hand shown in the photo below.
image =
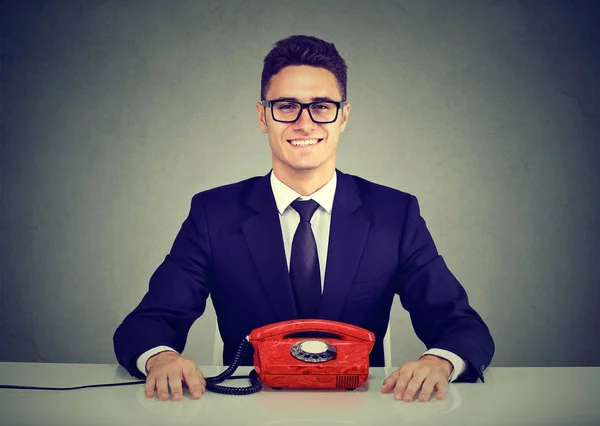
(169, 370)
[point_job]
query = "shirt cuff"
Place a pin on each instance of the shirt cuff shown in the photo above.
(143, 358)
(457, 362)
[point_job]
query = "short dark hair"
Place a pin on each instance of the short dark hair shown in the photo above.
(303, 50)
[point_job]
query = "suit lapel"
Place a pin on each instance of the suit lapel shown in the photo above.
(347, 236)
(265, 242)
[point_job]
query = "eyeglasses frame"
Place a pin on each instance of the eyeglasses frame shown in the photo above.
(269, 104)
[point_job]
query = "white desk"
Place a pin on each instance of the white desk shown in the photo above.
(510, 396)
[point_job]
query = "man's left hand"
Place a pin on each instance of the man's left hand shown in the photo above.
(429, 373)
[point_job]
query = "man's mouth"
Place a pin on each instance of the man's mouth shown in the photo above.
(304, 142)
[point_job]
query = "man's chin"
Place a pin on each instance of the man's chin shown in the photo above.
(302, 167)
(305, 168)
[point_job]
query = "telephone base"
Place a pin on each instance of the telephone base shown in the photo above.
(279, 388)
(313, 381)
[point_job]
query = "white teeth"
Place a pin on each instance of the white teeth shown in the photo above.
(304, 142)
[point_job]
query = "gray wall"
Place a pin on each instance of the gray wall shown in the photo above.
(117, 112)
(2, 233)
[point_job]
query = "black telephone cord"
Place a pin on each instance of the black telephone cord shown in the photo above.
(211, 382)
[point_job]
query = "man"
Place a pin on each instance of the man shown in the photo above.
(367, 243)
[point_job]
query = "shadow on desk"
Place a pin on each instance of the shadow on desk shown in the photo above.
(299, 407)
(123, 375)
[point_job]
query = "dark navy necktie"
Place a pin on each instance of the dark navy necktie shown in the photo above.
(305, 274)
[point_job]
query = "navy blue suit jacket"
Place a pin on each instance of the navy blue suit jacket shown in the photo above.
(231, 247)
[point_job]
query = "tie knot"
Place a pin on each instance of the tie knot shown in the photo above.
(305, 208)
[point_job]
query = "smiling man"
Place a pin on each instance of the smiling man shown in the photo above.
(299, 112)
(304, 241)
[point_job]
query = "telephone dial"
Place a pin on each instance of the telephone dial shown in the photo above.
(287, 356)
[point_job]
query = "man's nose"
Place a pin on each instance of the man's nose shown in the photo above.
(304, 122)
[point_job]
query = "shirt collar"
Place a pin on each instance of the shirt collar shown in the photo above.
(284, 195)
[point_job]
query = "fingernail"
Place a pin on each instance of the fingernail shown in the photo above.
(197, 394)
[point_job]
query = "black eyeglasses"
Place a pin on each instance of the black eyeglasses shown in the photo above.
(289, 111)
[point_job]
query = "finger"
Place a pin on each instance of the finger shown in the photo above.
(195, 382)
(427, 387)
(162, 387)
(191, 372)
(150, 386)
(413, 386)
(401, 384)
(441, 389)
(175, 386)
(390, 382)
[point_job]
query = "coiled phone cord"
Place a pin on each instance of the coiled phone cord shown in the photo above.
(212, 382)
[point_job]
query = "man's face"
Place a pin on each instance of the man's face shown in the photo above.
(304, 84)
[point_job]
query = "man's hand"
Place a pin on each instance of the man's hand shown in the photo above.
(167, 370)
(428, 373)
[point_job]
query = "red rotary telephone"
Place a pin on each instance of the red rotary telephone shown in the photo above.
(305, 362)
(286, 356)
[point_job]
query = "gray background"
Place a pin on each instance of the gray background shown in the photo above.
(114, 113)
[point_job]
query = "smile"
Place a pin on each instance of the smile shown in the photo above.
(304, 142)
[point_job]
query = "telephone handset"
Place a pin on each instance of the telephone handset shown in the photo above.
(307, 353)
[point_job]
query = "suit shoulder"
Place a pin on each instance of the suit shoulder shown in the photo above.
(375, 191)
(384, 204)
(226, 193)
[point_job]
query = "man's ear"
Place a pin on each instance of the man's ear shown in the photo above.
(262, 119)
(345, 115)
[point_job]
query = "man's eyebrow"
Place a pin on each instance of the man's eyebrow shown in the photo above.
(316, 99)
(286, 99)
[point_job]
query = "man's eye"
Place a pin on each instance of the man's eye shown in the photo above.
(286, 107)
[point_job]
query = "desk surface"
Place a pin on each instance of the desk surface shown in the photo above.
(510, 396)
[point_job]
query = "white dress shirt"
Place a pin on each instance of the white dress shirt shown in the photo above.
(320, 223)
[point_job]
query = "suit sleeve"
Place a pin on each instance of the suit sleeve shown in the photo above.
(437, 303)
(176, 295)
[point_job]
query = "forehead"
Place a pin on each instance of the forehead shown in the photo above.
(303, 82)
